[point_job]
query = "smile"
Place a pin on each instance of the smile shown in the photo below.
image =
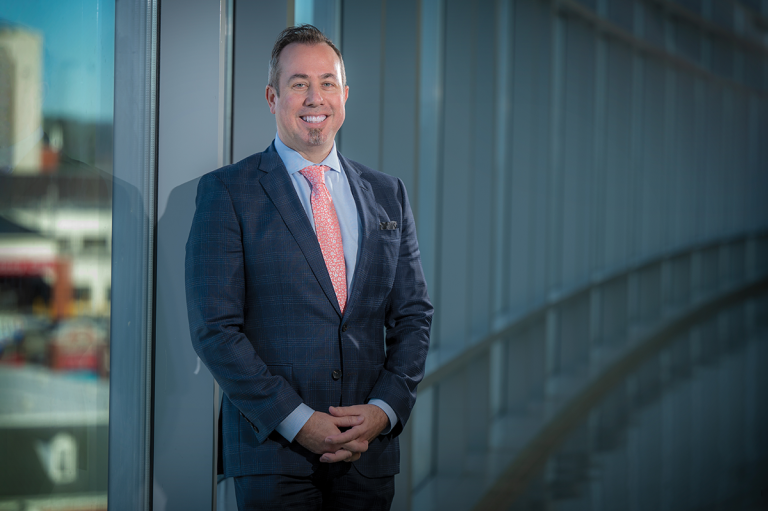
(314, 119)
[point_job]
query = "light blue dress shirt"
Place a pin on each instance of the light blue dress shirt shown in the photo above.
(349, 224)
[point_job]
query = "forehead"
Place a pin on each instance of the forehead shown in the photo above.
(309, 59)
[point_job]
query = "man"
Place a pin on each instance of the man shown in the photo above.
(297, 261)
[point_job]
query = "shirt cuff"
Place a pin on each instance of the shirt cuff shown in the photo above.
(292, 424)
(389, 411)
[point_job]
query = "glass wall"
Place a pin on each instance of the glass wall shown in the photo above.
(580, 172)
(56, 110)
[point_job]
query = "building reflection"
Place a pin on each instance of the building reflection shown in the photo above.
(55, 274)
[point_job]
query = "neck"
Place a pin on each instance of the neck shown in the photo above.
(315, 156)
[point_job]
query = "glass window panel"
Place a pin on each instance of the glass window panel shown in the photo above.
(693, 5)
(56, 97)
(653, 21)
(722, 14)
(591, 4)
(423, 437)
(687, 40)
(722, 58)
(753, 69)
(324, 14)
(304, 11)
(430, 108)
(621, 12)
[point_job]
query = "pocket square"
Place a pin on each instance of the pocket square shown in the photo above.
(387, 226)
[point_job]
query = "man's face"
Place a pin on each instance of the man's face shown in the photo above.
(310, 108)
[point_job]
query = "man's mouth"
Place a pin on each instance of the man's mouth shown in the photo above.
(313, 119)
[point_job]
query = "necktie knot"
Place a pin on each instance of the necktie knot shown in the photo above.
(315, 174)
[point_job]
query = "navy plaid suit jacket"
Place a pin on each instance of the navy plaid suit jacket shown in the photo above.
(265, 320)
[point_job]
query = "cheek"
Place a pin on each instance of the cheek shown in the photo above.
(287, 109)
(286, 117)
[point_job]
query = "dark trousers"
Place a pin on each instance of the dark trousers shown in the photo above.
(336, 486)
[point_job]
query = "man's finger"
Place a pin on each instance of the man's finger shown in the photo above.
(348, 421)
(354, 446)
(349, 440)
(342, 438)
(333, 457)
(342, 411)
(355, 456)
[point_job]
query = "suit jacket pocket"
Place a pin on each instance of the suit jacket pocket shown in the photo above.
(389, 235)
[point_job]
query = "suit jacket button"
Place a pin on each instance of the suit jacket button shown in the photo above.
(344, 328)
(336, 374)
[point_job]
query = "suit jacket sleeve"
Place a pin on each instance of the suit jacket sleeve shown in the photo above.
(408, 319)
(215, 286)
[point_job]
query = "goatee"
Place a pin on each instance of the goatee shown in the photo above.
(316, 136)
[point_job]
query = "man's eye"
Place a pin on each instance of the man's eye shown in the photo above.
(299, 85)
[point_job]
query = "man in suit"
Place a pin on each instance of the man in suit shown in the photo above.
(297, 261)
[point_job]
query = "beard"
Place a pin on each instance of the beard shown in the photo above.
(316, 136)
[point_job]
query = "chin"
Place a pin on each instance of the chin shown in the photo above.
(317, 137)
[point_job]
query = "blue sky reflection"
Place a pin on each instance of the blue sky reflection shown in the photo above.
(78, 54)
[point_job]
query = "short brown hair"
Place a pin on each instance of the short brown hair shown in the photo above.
(302, 34)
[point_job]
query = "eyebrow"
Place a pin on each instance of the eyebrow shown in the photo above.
(306, 77)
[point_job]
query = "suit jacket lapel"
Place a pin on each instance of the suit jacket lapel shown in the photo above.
(366, 208)
(277, 183)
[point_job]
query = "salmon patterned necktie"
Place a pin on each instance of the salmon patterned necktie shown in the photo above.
(327, 229)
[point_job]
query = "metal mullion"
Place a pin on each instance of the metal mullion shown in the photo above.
(134, 255)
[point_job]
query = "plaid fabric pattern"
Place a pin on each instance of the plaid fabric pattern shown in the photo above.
(264, 317)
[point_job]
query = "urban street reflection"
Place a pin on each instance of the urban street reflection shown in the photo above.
(56, 83)
(684, 431)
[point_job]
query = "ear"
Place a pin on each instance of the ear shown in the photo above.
(271, 95)
(346, 93)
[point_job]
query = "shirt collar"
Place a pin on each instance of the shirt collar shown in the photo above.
(294, 162)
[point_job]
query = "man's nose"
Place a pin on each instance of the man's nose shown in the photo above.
(314, 96)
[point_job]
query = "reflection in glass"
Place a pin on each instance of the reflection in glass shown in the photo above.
(56, 81)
